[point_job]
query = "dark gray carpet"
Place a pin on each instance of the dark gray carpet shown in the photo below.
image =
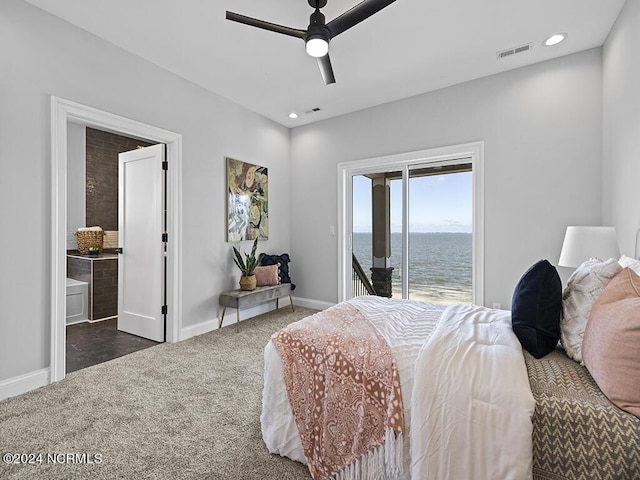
(189, 410)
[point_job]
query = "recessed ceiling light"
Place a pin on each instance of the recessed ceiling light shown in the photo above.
(555, 39)
(293, 115)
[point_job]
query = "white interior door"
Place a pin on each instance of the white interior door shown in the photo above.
(141, 224)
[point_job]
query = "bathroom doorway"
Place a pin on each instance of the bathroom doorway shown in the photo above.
(95, 200)
(63, 114)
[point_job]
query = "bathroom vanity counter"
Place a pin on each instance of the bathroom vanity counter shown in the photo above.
(102, 256)
(101, 273)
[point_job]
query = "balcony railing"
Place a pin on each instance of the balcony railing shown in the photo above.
(361, 283)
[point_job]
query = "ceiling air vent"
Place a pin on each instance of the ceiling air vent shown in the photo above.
(313, 110)
(514, 51)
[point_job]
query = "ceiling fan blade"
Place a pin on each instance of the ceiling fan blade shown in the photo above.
(326, 70)
(357, 14)
(254, 22)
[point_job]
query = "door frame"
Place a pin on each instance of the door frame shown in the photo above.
(472, 153)
(62, 112)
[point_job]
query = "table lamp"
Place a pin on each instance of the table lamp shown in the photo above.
(582, 243)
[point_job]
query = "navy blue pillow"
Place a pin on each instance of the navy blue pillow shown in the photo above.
(536, 308)
(283, 269)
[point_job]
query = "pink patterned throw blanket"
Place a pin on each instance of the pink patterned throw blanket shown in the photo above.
(344, 390)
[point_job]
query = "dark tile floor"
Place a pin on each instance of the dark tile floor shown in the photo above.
(92, 343)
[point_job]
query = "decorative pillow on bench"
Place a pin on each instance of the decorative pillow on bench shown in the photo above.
(282, 260)
(267, 275)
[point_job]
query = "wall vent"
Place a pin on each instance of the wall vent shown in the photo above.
(514, 51)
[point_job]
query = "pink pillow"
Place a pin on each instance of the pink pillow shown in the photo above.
(611, 345)
(267, 276)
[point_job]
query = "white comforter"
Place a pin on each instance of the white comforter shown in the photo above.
(408, 326)
(471, 418)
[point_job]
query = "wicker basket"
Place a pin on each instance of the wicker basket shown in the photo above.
(89, 238)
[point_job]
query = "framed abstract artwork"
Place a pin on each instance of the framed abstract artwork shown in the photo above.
(247, 201)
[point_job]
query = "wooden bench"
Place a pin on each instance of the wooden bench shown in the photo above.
(240, 299)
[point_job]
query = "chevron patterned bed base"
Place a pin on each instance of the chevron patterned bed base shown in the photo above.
(578, 434)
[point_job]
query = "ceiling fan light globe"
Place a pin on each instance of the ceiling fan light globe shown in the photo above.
(317, 47)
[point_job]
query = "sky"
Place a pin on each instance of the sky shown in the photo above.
(437, 203)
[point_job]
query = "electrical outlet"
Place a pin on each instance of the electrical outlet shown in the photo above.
(332, 230)
(497, 306)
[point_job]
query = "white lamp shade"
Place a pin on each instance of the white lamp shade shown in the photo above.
(582, 243)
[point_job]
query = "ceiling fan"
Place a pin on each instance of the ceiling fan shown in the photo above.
(318, 34)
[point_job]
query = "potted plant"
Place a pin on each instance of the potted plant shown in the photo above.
(247, 266)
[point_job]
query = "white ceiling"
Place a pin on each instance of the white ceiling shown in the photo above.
(408, 48)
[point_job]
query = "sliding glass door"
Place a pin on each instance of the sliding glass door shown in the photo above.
(412, 232)
(440, 234)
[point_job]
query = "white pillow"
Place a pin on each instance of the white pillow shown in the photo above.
(632, 263)
(584, 287)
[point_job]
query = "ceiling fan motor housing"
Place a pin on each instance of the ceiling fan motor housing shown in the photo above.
(317, 27)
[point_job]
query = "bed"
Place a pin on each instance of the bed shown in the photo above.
(577, 432)
(475, 403)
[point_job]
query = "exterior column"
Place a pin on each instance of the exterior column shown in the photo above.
(381, 281)
(381, 236)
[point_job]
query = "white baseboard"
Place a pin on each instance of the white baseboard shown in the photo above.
(197, 329)
(311, 303)
(24, 383)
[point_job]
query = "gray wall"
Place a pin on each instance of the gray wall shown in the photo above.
(621, 78)
(44, 56)
(542, 130)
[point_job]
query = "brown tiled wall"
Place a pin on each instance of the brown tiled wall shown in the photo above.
(102, 176)
(79, 269)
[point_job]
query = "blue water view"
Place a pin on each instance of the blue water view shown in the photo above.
(440, 265)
